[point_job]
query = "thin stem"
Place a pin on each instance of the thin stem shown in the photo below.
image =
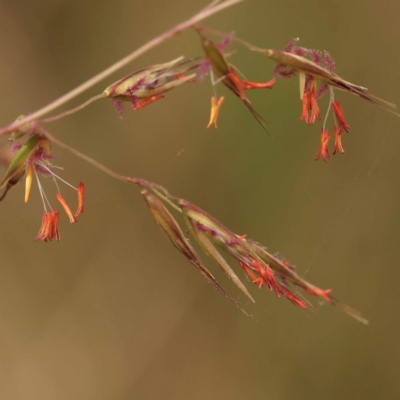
(90, 160)
(214, 8)
(156, 188)
(71, 111)
(331, 99)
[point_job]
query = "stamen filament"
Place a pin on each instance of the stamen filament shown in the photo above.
(54, 174)
(42, 193)
(213, 81)
(331, 100)
(302, 83)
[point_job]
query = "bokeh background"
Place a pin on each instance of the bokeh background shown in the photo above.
(113, 311)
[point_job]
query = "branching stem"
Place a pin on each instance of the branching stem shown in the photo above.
(206, 12)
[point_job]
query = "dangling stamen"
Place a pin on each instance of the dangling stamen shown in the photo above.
(338, 141)
(215, 107)
(313, 103)
(319, 292)
(267, 275)
(337, 109)
(67, 210)
(310, 110)
(233, 77)
(28, 182)
(259, 85)
(55, 234)
(305, 108)
(291, 297)
(323, 149)
(42, 235)
(145, 102)
(258, 281)
(81, 197)
(49, 228)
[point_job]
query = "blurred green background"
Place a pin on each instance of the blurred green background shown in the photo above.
(113, 311)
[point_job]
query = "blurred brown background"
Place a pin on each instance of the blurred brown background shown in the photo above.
(113, 311)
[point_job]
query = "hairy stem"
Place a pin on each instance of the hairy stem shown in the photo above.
(211, 9)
